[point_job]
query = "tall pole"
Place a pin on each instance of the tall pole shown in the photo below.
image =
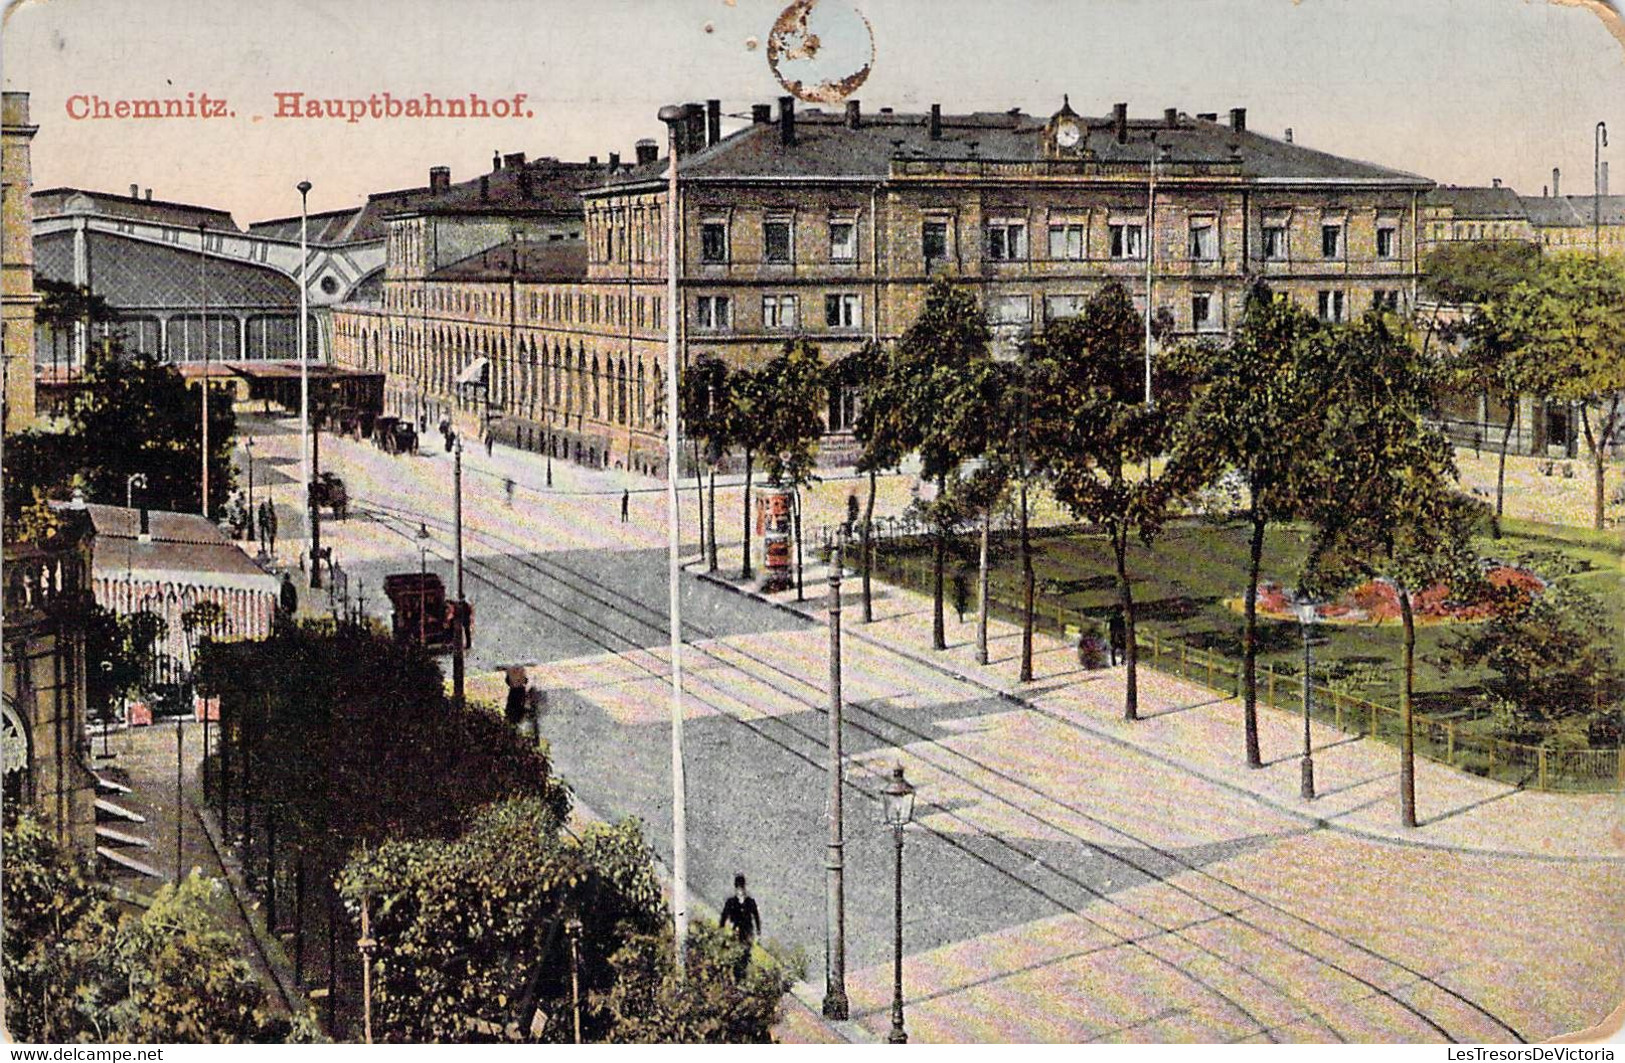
(1306, 782)
(679, 813)
(203, 282)
(180, 800)
(1600, 142)
(304, 368)
(1150, 255)
(898, 1035)
(459, 632)
(366, 946)
(835, 1002)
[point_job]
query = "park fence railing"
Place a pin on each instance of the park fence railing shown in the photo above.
(1535, 767)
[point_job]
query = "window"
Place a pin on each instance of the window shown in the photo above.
(1063, 306)
(1331, 241)
(1202, 312)
(714, 313)
(843, 311)
(1331, 306)
(1010, 310)
(776, 240)
(1387, 241)
(714, 241)
(843, 408)
(779, 311)
(1275, 242)
(1128, 241)
(1386, 299)
(1204, 239)
(843, 241)
(934, 241)
(1006, 241)
(1066, 242)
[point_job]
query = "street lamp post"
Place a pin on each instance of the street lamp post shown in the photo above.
(423, 575)
(572, 930)
(671, 115)
(137, 479)
(304, 379)
(835, 1000)
(107, 713)
(1600, 142)
(898, 799)
(248, 448)
(1306, 620)
(203, 282)
(458, 628)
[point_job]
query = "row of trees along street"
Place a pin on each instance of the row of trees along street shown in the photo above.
(1327, 427)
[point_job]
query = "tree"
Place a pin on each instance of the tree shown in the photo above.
(748, 403)
(473, 943)
(794, 379)
(704, 402)
(1488, 355)
(1552, 652)
(63, 305)
(1257, 414)
(1386, 504)
(139, 416)
(942, 382)
(878, 430)
(76, 971)
(1570, 319)
(1096, 432)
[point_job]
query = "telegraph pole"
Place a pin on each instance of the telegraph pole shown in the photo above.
(459, 629)
(835, 1002)
(203, 283)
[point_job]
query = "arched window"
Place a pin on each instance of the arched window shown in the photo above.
(595, 406)
(643, 398)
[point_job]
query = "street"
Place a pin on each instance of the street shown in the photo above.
(1059, 883)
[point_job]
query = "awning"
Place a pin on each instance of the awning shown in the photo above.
(477, 372)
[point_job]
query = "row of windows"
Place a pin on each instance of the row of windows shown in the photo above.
(842, 310)
(1005, 240)
(580, 307)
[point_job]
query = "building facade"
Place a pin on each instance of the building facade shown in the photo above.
(831, 227)
(17, 297)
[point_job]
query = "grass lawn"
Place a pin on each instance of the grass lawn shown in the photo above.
(1183, 582)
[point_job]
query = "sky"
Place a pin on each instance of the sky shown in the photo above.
(1461, 91)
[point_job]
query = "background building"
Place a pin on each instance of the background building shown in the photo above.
(17, 297)
(831, 226)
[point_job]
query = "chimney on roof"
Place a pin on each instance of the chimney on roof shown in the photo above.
(1289, 134)
(514, 160)
(761, 113)
(1238, 119)
(1495, 182)
(439, 179)
(149, 194)
(496, 160)
(693, 127)
(713, 122)
(1120, 121)
(485, 188)
(614, 162)
(592, 160)
(854, 114)
(648, 151)
(1557, 181)
(787, 120)
(1545, 191)
(135, 191)
(936, 121)
(885, 110)
(1170, 117)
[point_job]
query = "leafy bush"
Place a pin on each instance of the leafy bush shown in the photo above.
(75, 970)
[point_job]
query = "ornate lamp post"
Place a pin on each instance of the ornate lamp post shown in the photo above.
(898, 801)
(835, 999)
(423, 574)
(572, 930)
(1306, 621)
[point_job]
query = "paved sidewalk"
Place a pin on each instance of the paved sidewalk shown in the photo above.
(1200, 731)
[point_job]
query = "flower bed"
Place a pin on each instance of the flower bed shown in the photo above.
(1377, 601)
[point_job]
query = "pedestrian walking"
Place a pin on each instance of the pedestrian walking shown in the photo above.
(740, 913)
(490, 443)
(518, 696)
(288, 597)
(268, 526)
(852, 512)
(626, 505)
(961, 594)
(507, 487)
(1117, 635)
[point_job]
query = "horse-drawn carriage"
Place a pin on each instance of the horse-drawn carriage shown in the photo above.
(328, 490)
(393, 435)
